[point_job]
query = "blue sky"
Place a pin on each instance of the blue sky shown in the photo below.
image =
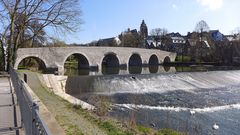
(108, 18)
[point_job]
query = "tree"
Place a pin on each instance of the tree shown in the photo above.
(236, 37)
(3, 50)
(2, 56)
(236, 31)
(159, 35)
(31, 17)
(58, 43)
(201, 27)
(129, 39)
(39, 40)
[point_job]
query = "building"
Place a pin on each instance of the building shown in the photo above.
(114, 41)
(150, 42)
(177, 38)
(216, 35)
(235, 37)
(143, 30)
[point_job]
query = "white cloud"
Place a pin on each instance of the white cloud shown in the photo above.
(174, 6)
(211, 4)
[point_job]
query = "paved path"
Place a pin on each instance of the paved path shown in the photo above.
(9, 114)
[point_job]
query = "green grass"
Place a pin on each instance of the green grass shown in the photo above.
(113, 130)
(73, 130)
(144, 130)
(183, 58)
(183, 69)
(111, 127)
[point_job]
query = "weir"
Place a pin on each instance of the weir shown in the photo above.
(160, 83)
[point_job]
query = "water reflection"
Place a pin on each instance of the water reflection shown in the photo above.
(75, 71)
(119, 70)
(135, 70)
(153, 69)
(166, 68)
(142, 70)
(110, 71)
(110, 64)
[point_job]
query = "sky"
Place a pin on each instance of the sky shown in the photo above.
(108, 18)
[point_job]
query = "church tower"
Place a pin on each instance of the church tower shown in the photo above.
(143, 30)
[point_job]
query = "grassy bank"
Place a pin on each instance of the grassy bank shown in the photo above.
(76, 121)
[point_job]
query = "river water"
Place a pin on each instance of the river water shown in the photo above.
(190, 102)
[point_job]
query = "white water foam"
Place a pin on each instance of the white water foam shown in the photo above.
(178, 109)
(189, 82)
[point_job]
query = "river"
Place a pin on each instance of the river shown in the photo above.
(188, 99)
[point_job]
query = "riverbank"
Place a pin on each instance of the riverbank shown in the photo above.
(76, 121)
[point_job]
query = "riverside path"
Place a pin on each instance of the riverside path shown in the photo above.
(9, 112)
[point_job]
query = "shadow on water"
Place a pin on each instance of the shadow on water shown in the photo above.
(135, 70)
(110, 71)
(75, 71)
(166, 68)
(79, 85)
(153, 69)
(119, 70)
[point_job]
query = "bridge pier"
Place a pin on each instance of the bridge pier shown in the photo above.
(60, 70)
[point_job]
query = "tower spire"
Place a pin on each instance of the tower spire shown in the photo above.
(143, 29)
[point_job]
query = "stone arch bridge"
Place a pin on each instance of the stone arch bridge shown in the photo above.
(94, 57)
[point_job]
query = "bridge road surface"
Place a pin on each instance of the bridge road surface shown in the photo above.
(9, 114)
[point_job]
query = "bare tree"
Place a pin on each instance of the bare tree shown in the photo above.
(236, 31)
(60, 15)
(159, 34)
(3, 48)
(2, 52)
(201, 27)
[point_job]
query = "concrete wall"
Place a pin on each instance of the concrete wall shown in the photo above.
(57, 85)
(55, 57)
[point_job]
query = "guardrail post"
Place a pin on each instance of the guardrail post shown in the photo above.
(25, 77)
(34, 119)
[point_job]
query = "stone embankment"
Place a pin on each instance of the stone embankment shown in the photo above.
(57, 84)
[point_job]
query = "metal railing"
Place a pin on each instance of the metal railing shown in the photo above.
(32, 122)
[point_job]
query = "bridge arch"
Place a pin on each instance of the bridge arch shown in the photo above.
(135, 60)
(79, 61)
(110, 63)
(153, 64)
(27, 61)
(166, 60)
(153, 60)
(135, 64)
